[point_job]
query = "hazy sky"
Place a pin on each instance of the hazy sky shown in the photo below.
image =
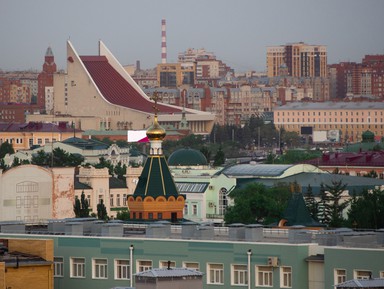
(237, 31)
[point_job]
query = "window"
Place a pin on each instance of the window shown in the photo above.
(340, 276)
(362, 274)
(124, 199)
(286, 277)
(186, 209)
(77, 268)
(143, 265)
(118, 200)
(111, 200)
(164, 264)
(194, 210)
(100, 267)
(215, 273)
(264, 276)
(122, 269)
(191, 265)
(58, 263)
(239, 275)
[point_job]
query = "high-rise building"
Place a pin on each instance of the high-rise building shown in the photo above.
(301, 60)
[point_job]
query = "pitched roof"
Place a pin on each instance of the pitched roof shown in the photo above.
(36, 126)
(156, 179)
(116, 89)
(297, 213)
(343, 159)
(88, 144)
(362, 283)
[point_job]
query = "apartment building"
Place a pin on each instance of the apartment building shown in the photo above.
(350, 118)
(300, 60)
(173, 75)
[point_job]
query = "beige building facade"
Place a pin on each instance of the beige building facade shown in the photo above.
(350, 118)
(300, 59)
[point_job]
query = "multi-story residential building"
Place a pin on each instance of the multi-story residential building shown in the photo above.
(300, 60)
(350, 118)
(207, 66)
(174, 75)
(359, 79)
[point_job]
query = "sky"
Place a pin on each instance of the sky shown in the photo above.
(237, 31)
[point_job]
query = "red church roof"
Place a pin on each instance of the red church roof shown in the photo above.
(116, 89)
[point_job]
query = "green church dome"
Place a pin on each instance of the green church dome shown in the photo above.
(187, 157)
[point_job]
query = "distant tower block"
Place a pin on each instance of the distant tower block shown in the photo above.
(163, 42)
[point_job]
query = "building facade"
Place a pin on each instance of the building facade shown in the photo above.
(300, 60)
(350, 118)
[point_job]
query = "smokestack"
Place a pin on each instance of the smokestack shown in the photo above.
(163, 42)
(138, 65)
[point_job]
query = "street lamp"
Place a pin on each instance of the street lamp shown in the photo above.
(131, 264)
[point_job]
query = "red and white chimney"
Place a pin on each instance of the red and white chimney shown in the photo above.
(163, 42)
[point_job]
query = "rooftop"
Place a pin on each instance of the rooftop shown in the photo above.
(116, 89)
(331, 105)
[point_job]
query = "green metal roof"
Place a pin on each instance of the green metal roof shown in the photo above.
(156, 179)
(297, 213)
(187, 157)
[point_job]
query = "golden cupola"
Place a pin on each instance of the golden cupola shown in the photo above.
(156, 132)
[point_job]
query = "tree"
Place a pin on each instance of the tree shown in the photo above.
(335, 205)
(102, 211)
(81, 207)
(371, 174)
(257, 204)
(41, 158)
(219, 158)
(206, 152)
(6, 148)
(367, 210)
(312, 204)
(123, 215)
(323, 215)
(103, 163)
(120, 171)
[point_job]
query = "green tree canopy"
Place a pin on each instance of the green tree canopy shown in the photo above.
(219, 158)
(102, 211)
(257, 204)
(81, 207)
(367, 210)
(6, 148)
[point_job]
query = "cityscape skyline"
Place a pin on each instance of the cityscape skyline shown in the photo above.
(237, 32)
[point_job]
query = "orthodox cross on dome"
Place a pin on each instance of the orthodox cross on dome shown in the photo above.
(155, 97)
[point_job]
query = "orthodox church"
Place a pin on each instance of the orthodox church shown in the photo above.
(156, 196)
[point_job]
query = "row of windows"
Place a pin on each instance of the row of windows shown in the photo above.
(215, 271)
(335, 120)
(340, 275)
(335, 113)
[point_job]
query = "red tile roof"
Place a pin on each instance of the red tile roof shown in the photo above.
(366, 159)
(116, 89)
(36, 127)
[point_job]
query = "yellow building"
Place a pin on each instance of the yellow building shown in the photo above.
(176, 74)
(351, 119)
(300, 59)
(26, 263)
(24, 136)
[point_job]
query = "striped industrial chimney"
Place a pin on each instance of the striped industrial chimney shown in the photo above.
(163, 42)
